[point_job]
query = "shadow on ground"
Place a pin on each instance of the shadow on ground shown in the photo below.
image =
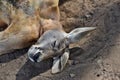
(12, 55)
(30, 69)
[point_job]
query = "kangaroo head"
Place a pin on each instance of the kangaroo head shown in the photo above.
(54, 43)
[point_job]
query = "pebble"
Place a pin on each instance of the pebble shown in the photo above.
(76, 62)
(73, 62)
(70, 62)
(87, 15)
(72, 75)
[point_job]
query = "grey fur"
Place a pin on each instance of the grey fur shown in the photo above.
(54, 43)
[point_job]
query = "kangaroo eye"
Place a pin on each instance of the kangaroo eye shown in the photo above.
(53, 44)
(36, 47)
(40, 48)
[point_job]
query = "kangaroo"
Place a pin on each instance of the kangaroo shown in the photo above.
(54, 42)
(43, 25)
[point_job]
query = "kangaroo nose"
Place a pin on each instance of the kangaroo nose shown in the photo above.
(36, 56)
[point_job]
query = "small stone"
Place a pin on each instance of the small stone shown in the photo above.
(99, 61)
(87, 15)
(72, 75)
(70, 62)
(75, 62)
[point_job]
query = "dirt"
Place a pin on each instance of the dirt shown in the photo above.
(97, 55)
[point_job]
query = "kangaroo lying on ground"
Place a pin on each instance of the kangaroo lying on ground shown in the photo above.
(24, 29)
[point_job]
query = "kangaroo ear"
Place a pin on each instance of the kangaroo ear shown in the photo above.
(76, 34)
(60, 62)
(49, 9)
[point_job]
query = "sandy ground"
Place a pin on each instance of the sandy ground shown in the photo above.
(97, 56)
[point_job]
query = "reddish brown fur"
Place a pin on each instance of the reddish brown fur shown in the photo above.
(24, 29)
